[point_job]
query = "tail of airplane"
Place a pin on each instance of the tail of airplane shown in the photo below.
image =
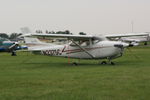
(25, 32)
(35, 43)
(30, 40)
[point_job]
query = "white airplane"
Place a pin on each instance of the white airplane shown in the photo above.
(80, 46)
(135, 40)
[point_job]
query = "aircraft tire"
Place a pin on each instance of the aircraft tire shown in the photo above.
(74, 63)
(103, 63)
(112, 63)
(13, 53)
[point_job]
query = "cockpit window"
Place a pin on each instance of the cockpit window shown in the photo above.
(95, 41)
(88, 42)
(81, 43)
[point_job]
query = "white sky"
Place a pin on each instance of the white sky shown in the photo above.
(90, 16)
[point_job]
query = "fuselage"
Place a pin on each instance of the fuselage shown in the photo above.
(99, 50)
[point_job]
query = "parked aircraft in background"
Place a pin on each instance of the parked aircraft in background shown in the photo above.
(10, 46)
(133, 40)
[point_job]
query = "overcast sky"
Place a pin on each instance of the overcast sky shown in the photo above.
(90, 16)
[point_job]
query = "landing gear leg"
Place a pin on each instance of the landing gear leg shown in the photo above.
(13, 53)
(110, 62)
(145, 43)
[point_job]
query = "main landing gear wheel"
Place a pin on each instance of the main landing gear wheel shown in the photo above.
(103, 62)
(74, 64)
(112, 63)
(145, 43)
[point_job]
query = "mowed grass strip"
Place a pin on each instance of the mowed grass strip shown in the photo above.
(36, 77)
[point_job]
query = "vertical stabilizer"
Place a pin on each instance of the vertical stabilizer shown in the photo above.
(30, 40)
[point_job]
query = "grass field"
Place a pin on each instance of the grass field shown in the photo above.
(35, 77)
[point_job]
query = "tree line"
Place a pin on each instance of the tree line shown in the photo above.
(59, 32)
(11, 36)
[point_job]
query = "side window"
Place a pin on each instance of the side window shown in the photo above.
(73, 44)
(81, 43)
(95, 41)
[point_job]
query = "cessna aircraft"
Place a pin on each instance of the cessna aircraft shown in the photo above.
(80, 46)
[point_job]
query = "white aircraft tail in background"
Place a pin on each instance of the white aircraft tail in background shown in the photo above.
(35, 43)
(30, 41)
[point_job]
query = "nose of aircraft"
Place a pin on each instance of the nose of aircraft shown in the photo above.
(125, 44)
(121, 45)
(16, 43)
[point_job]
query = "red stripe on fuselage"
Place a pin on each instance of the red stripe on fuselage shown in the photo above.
(80, 50)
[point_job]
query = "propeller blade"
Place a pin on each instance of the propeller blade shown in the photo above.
(12, 47)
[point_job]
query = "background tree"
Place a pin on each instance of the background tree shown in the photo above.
(67, 32)
(14, 36)
(4, 35)
(82, 33)
(64, 32)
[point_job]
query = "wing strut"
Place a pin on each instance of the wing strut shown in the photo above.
(83, 49)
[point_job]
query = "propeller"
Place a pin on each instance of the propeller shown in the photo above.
(13, 48)
(123, 45)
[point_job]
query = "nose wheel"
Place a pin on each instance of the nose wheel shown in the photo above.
(103, 63)
(112, 63)
(108, 62)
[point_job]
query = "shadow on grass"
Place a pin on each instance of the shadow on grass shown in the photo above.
(56, 62)
(68, 65)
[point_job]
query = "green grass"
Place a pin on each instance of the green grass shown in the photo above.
(35, 77)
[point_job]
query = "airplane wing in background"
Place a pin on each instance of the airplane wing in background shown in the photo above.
(126, 35)
(132, 38)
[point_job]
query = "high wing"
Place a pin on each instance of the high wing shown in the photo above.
(26, 32)
(88, 36)
(75, 37)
